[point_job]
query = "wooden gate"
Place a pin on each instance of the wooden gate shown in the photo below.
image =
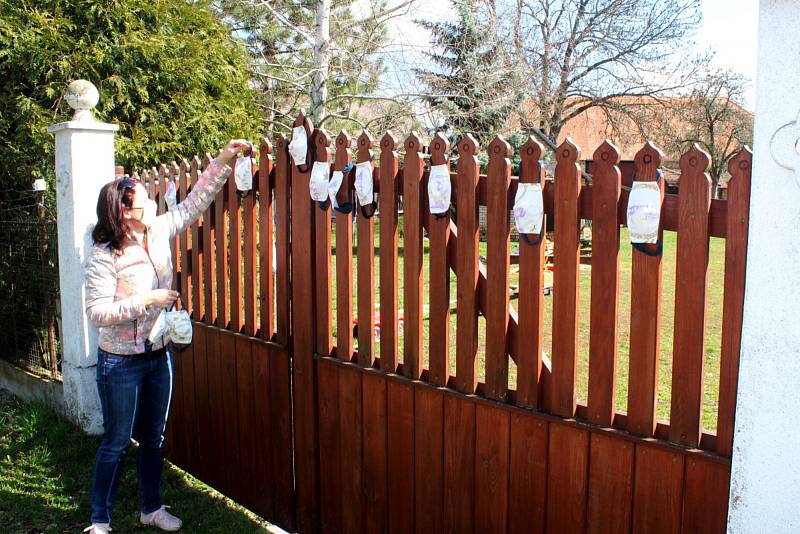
(454, 420)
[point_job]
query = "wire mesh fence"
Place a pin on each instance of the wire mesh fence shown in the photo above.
(29, 296)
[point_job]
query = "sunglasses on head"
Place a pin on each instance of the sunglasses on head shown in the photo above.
(125, 184)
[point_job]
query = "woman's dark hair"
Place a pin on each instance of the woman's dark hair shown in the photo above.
(111, 227)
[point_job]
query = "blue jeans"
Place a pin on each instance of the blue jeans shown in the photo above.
(135, 396)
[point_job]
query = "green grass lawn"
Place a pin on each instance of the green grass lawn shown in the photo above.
(45, 476)
(713, 321)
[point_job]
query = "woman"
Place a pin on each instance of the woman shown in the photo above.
(128, 284)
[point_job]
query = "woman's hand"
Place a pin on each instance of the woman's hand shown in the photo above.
(161, 298)
(233, 147)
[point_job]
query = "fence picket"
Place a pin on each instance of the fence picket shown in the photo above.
(344, 252)
(606, 187)
(250, 288)
(740, 168)
(413, 166)
(175, 172)
(163, 180)
(565, 279)
(497, 250)
(265, 244)
(221, 244)
(691, 277)
(209, 265)
(645, 315)
(531, 284)
(322, 255)
(467, 266)
(235, 257)
(387, 200)
(366, 268)
(439, 300)
(282, 242)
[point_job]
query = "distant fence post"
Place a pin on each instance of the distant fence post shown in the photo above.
(766, 444)
(84, 162)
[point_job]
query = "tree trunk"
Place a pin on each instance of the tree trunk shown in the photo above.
(319, 86)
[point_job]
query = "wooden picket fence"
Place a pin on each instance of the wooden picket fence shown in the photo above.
(317, 433)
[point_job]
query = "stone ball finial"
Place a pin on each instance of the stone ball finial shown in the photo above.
(82, 96)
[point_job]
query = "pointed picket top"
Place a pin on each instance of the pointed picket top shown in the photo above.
(163, 170)
(282, 142)
(388, 142)
(607, 154)
(648, 160)
(413, 143)
(568, 151)
(303, 120)
(741, 162)
(438, 148)
(499, 148)
(196, 163)
(531, 150)
(321, 138)
(175, 170)
(265, 147)
(207, 159)
(185, 167)
(530, 168)
(342, 157)
(468, 146)
(365, 144)
(695, 161)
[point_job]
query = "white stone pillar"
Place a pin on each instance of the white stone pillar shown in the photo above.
(84, 163)
(765, 479)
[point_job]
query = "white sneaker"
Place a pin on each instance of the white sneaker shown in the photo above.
(161, 519)
(98, 528)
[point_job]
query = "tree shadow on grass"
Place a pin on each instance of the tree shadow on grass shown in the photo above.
(45, 476)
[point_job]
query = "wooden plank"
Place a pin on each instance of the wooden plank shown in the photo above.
(740, 168)
(209, 265)
(658, 490)
(428, 459)
(497, 251)
(330, 453)
(227, 347)
(387, 202)
(265, 481)
(610, 482)
(645, 315)
(344, 253)
(303, 329)
(250, 288)
(201, 403)
(606, 187)
(175, 419)
(459, 464)
(282, 247)
(530, 305)
(366, 269)
(189, 415)
(567, 474)
(163, 181)
(186, 261)
(322, 256)
(245, 410)
(527, 498)
(281, 445)
(705, 501)
(216, 413)
(350, 440)
(400, 454)
(467, 266)
(691, 277)
(266, 295)
(439, 287)
(492, 449)
(565, 280)
(375, 507)
(175, 246)
(413, 166)
(197, 251)
(235, 255)
(221, 210)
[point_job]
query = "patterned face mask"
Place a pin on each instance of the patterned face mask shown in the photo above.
(644, 212)
(318, 187)
(439, 189)
(298, 148)
(243, 174)
(333, 187)
(364, 183)
(529, 208)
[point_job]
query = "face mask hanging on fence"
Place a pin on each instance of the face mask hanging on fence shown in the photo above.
(318, 187)
(298, 147)
(439, 190)
(364, 188)
(644, 214)
(245, 168)
(529, 211)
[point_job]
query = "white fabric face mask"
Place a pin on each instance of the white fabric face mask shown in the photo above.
(171, 196)
(364, 186)
(318, 187)
(529, 208)
(439, 189)
(149, 213)
(333, 187)
(243, 174)
(644, 212)
(298, 147)
(179, 326)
